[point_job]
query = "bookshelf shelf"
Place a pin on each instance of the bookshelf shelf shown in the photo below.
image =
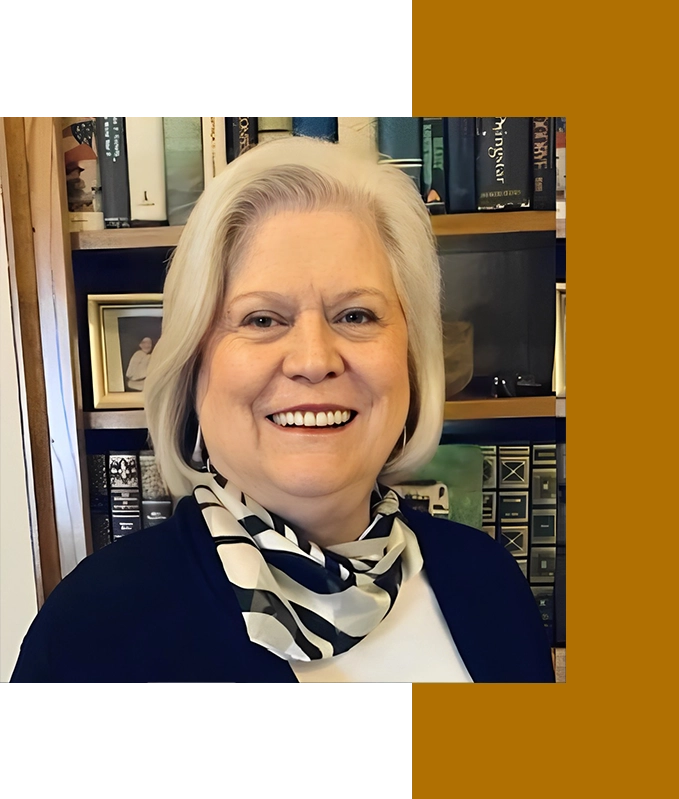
(502, 408)
(450, 225)
(115, 420)
(561, 228)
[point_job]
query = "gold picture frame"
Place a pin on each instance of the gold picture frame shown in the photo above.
(121, 327)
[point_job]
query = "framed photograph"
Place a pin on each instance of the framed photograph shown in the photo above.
(124, 329)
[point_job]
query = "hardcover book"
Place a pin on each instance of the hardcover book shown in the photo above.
(560, 167)
(544, 164)
(503, 163)
(460, 164)
(213, 130)
(433, 168)
(543, 526)
(542, 564)
(359, 134)
(489, 466)
(544, 486)
(514, 540)
(241, 135)
(513, 506)
(125, 494)
(399, 140)
(544, 597)
(184, 177)
(156, 503)
(115, 187)
(83, 184)
(514, 467)
(146, 169)
(270, 128)
(316, 127)
(100, 519)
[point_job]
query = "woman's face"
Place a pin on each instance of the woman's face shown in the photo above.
(311, 325)
(146, 345)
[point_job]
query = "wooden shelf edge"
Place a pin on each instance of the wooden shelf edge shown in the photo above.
(493, 222)
(115, 420)
(501, 408)
(449, 225)
(561, 228)
(126, 238)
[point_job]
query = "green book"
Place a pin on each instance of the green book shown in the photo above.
(184, 178)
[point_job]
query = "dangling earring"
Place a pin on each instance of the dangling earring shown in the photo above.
(197, 459)
(403, 446)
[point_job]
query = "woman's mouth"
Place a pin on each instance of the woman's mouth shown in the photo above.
(327, 419)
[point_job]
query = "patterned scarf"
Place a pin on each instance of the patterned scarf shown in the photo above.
(298, 600)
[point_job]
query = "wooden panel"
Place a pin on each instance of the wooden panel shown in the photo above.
(23, 273)
(501, 408)
(56, 295)
(493, 222)
(126, 237)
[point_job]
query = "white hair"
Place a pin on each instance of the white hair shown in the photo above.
(293, 174)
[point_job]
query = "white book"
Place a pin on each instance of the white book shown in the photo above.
(214, 146)
(146, 169)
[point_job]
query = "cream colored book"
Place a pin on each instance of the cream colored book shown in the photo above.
(146, 169)
(360, 134)
(214, 146)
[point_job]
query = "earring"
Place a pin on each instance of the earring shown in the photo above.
(403, 446)
(197, 459)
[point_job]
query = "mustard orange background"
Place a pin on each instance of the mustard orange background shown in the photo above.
(607, 731)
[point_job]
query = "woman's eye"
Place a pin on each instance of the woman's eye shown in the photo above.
(358, 317)
(261, 321)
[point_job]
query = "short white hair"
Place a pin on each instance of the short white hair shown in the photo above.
(293, 174)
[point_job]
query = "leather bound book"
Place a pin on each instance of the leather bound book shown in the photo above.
(241, 135)
(184, 179)
(123, 472)
(359, 134)
(544, 164)
(270, 128)
(115, 188)
(399, 140)
(316, 127)
(100, 519)
(433, 171)
(156, 503)
(460, 164)
(503, 163)
(146, 168)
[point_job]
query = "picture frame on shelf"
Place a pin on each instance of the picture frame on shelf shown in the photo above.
(124, 329)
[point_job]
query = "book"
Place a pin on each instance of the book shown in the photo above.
(544, 164)
(146, 171)
(100, 518)
(433, 168)
(399, 140)
(213, 131)
(460, 164)
(156, 503)
(184, 177)
(241, 135)
(560, 137)
(316, 127)
(271, 128)
(503, 163)
(83, 184)
(359, 134)
(115, 187)
(123, 472)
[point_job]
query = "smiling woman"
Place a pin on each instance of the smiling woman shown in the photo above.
(299, 374)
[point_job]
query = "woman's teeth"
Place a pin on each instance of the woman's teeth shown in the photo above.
(309, 419)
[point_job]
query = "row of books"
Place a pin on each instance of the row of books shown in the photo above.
(148, 171)
(126, 495)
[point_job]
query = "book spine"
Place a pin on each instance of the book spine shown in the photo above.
(271, 128)
(241, 135)
(544, 164)
(399, 140)
(316, 127)
(184, 179)
(115, 188)
(433, 171)
(156, 503)
(460, 164)
(123, 473)
(100, 511)
(83, 184)
(214, 147)
(503, 163)
(359, 134)
(146, 169)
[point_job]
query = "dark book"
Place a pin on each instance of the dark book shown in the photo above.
(100, 518)
(315, 127)
(156, 503)
(399, 141)
(123, 472)
(503, 163)
(544, 597)
(433, 168)
(460, 164)
(560, 597)
(544, 164)
(115, 187)
(241, 135)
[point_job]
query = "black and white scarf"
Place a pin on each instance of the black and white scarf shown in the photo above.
(300, 601)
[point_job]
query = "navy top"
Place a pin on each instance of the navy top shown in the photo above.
(157, 606)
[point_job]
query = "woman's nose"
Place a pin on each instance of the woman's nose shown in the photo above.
(312, 350)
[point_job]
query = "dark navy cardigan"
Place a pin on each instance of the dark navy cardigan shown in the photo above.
(156, 606)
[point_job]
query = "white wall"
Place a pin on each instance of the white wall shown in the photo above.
(18, 603)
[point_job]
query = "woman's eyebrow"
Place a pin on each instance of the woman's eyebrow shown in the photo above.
(343, 297)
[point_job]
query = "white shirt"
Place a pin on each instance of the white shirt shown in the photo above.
(413, 644)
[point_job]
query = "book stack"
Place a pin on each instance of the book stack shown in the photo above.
(148, 171)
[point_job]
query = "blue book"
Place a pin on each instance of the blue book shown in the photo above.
(316, 127)
(460, 164)
(399, 140)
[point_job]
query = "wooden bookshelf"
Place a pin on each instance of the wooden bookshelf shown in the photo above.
(115, 420)
(501, 408)
(451, 225)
